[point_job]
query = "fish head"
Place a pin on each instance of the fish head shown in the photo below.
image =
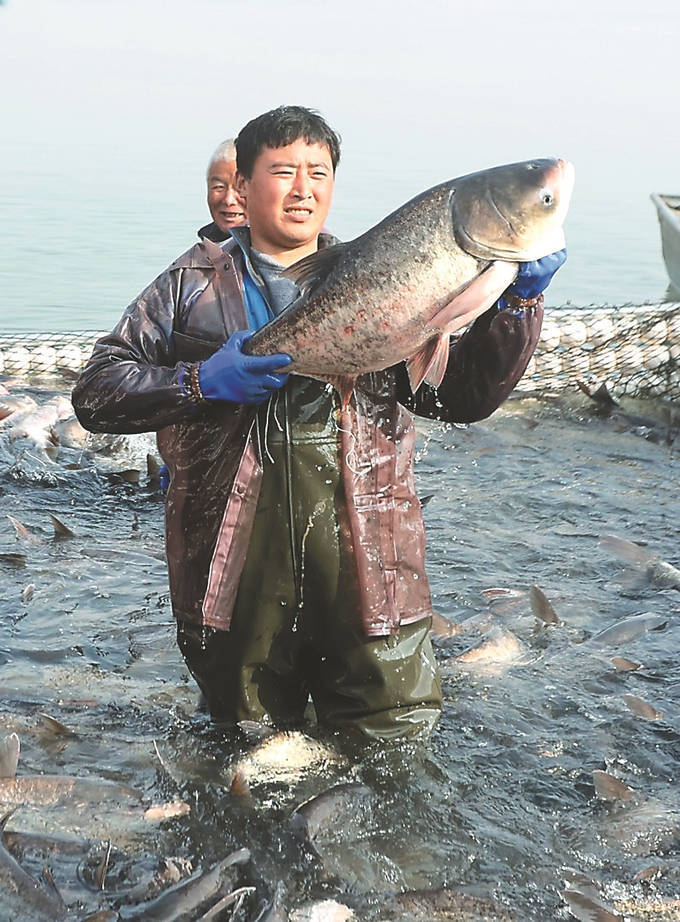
(513, 212)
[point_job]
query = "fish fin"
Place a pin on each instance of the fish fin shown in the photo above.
(239, 785)
(4, 818)
(541, 607)
(22, 533)
(480, 294)
(437, 368)
(344, 385)
(429, 362)
(622, 664)
(256, 730)
(9, 756)
(55, 726)
(608, 787)
(60, 530)
(153, 468)
(442, 627)
(627, 550)
(311, 272)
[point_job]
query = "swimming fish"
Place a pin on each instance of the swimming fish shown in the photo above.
(22, 897)
(628, 629)
(284, 757)
(589, 909)
(401, 289)
(659, 572)
(48, 790)
(331, 809)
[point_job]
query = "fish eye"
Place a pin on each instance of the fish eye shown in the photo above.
(533, 166)
(547, 199)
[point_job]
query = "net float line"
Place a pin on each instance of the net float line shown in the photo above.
(633, 349)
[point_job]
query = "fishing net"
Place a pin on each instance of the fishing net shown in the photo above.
(634, 350)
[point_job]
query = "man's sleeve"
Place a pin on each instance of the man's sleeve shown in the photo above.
(131, 382)
(484, 366)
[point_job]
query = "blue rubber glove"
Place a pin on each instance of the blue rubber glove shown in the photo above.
(164, 478)
(534, 277)
(231, 375)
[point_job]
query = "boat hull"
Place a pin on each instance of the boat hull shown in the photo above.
(668, 210)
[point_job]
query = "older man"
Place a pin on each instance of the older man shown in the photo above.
(226, 206)
(264, 542)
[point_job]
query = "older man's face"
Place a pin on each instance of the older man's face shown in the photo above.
(226, 205)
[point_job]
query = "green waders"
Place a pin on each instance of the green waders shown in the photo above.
(296, 629)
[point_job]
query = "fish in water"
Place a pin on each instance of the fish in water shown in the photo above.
(332, 809)
(401, 289)
(184, 900)
(588, 909)
(284, 757)
(48, 790)
(642, 708)
(542, 607)
(500, 647)
(628, 629)
(22, 897)
(639, 824)
(430, 905)
(659, 572)
(324, 911)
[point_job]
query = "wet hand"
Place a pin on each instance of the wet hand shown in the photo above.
(231, 375)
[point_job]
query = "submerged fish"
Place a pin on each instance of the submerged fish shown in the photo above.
(48, 790)
(401, 289)
(629, 629)
(659, 572)
(22, 897)
(183, 901)
(500, 647)
(323, 911)
(640, 825)
(642, 708)
(332, 809)
(284, 757)
(430, 905)
(588, 909)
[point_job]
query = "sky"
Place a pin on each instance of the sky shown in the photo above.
(120, 104)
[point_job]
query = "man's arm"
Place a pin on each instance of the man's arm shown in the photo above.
(489, 359)
(131, 382)
(484, 366)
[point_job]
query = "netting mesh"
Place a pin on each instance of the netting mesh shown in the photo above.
(634, 349)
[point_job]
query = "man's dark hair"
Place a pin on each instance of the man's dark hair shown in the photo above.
(282, 127)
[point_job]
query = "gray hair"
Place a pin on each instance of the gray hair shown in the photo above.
(225, 151)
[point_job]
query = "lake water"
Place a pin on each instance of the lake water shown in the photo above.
(110, 115)
(500, 805)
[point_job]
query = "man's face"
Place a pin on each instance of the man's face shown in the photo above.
(226, 205)
(288, 198)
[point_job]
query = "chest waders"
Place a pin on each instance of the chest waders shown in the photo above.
(296, 631)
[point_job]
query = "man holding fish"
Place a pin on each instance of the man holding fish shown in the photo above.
(295, 540)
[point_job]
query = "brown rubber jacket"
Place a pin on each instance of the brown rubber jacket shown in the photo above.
(132, 383)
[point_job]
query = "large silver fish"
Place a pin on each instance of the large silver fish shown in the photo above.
(398, 291)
